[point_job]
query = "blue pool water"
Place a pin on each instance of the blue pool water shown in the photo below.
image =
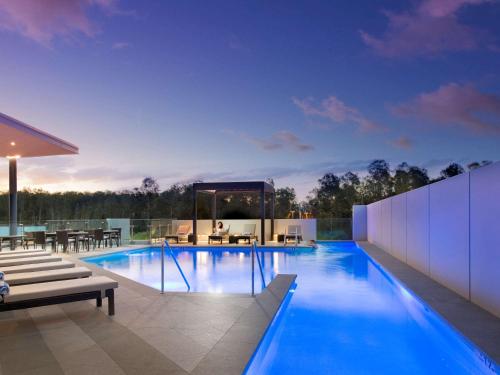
(344, 316)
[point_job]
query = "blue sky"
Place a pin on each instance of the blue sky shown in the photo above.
(223, 90)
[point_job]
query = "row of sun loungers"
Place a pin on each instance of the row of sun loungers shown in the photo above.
(37, 278)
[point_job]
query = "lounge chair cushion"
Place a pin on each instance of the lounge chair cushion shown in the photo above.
(10, 252)
(32, 260)
(49, 275)
(59, 288)
(26, 254)
(38, 267)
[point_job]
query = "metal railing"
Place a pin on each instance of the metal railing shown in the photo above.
(255, 254)
(164, 245)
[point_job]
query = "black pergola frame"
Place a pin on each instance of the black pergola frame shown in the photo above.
(214, 188)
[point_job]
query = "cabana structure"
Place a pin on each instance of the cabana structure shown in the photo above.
(214, 188)
(19, 140)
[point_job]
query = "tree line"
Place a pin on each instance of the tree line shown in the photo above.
(333, 197)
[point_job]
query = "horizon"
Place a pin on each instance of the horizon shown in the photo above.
(239, 91)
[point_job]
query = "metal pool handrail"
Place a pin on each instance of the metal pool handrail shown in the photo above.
(256, 254)
(164, 245)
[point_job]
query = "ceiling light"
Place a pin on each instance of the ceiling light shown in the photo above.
(12, 143)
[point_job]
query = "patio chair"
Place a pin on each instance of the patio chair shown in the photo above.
(29, 239)
(100, 237)
(57, 292)
(182, 232)
(293, 232)
(34, 277)
(42, 239)
(37, 267)
(117, 236)
(63, 239)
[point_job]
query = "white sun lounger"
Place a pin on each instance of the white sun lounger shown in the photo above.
(45, 276)
(37, 267)
(24, 251)
(26, 254)
(21, 261)
(56, 292)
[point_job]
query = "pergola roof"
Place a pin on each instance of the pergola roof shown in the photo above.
(240, 186)
(18, 139)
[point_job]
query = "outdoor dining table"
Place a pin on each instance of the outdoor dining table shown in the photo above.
(12, 239)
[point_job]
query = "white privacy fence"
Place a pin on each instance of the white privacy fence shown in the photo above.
(449, 230)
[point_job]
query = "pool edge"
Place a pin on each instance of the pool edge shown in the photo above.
(236, 348)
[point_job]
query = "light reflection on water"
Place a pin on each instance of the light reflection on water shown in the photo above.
(345, 316)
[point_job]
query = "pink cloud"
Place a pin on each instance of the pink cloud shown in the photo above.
(280, 140)
(336, 111)
(429, 29)
(43, 21)
(402, 143)
(455, 104)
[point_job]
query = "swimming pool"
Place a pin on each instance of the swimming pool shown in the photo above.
(345, 315)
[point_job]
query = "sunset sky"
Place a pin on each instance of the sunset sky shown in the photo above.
(245, 90)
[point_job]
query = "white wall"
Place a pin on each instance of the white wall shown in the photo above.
(417, 229)
(308, 227)
(485, 237)
(449, 233)
(449, 230)
(205, 227)
(398, 227)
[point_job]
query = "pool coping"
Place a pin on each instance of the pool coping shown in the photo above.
(236, 348)
(232, 353)
(476, 324)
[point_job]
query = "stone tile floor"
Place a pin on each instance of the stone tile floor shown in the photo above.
(175, 333)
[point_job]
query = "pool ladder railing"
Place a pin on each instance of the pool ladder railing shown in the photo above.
(255, 254)
(166, 245)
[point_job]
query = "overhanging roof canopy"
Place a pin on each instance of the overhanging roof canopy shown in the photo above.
(18, 139)
(240, 186)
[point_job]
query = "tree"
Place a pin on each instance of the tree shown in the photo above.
(323, 199)
(407, 178)
(378, 184)
(285, 202)
(451, 170)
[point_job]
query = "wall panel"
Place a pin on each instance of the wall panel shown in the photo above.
(485, 237)
(449, 233)
(398, 227)
(417, 229)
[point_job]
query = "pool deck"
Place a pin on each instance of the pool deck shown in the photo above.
(151, 333)
(477, 324)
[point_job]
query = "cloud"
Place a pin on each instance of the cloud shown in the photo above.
(120, 45)
(338, 112)
(402, 143)
(280, 140)
(455, 104)
(430, 29)
(43, 21)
